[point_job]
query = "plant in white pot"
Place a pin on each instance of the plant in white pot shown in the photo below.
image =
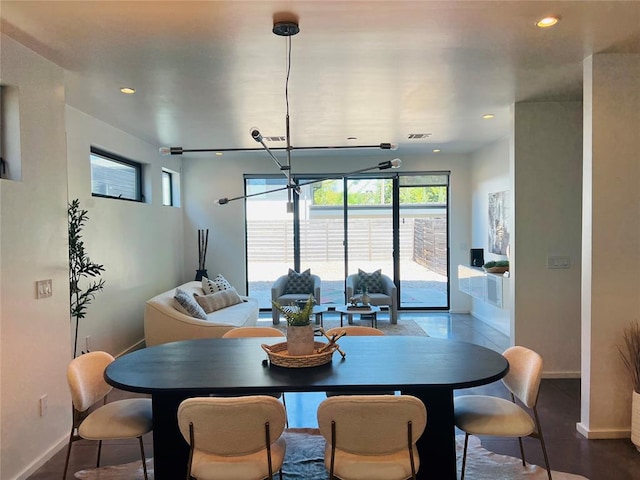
(630, 353)
(300, 339)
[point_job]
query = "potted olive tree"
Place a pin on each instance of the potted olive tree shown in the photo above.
(630, 353)
(80, 266)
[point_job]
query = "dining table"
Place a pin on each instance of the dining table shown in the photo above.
(428, 368)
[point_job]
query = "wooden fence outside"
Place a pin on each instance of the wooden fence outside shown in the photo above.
(421, 240)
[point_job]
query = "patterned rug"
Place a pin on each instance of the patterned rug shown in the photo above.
(331, 320)
(304, 461)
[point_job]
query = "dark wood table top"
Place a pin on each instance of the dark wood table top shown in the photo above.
(373, 363)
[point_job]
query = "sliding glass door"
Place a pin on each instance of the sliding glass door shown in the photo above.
(396, 223)
(423, 257)
(269, 236)
(369, 236)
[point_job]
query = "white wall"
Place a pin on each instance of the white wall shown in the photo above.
(208, 178)
(490, 174)
(139, 244)
(34, 334)
(611, 239)
(547, 178)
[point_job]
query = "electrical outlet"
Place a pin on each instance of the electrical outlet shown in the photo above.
(44, 288)
(43, 405)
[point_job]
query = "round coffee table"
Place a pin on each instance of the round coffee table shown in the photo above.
(370, 310)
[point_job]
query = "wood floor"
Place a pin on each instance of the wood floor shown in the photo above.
(559, 408)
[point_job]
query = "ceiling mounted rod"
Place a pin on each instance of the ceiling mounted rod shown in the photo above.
(180, 150)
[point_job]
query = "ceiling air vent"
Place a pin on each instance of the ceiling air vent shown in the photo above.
(275, 139)
(418, 136)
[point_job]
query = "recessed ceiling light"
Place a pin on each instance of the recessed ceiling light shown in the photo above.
(547, 22)
(219, 154)
(436, 150)
(128, 90)
(488, 116)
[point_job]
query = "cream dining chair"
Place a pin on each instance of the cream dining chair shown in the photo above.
(245, 332)
(372, 437)
(356, 331)
(129, 418)
(233, 437)
(495, 416)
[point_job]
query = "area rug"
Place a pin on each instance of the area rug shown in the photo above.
(403, 327)
(304, 461)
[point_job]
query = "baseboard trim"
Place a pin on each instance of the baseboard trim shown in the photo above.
(498, 326)
(603, 433)
(136, 346)
(561, 374)
(48, 455)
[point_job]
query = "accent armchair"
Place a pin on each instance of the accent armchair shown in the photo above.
(293, 287)
(387, 294)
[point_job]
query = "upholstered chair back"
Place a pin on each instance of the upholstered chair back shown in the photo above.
(525, 373)
(85, 375)
(243, 332)
(231, 426)
(356, 331)
(372, 424)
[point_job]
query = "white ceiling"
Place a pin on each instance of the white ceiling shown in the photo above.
(205, 72)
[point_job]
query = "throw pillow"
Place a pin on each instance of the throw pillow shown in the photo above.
(189, 304)
(216, 301)
(216, 285)
(371, 281)
(299, 282)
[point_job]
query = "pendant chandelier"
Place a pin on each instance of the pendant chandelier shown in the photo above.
(288, 29)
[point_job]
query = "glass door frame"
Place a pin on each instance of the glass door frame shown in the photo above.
(303, 179)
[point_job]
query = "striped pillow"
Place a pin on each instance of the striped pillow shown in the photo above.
(187, 302)
(219, 300)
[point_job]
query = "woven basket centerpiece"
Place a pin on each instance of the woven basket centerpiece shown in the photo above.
(278, 355)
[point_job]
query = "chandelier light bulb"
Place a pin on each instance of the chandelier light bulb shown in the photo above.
(255, 134)
(165, 151)
(396, 162)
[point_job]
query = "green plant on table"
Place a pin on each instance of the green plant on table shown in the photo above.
(296, 316)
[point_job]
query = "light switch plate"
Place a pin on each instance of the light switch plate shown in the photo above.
(44, 288)
(558, 261)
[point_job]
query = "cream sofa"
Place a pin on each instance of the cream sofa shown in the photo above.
(163, 323)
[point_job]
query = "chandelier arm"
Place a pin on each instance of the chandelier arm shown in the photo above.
(296, 187)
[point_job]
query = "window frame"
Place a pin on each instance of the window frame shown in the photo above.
(115, 158)
(168, 174)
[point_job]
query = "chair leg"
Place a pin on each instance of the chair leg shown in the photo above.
(268, 445)
(144, 459)
(464, 454)
(524, 462)
(286, 417)
(541, 437)
(66, 463)
(333, 448)
(410, 446)
(99, 451)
